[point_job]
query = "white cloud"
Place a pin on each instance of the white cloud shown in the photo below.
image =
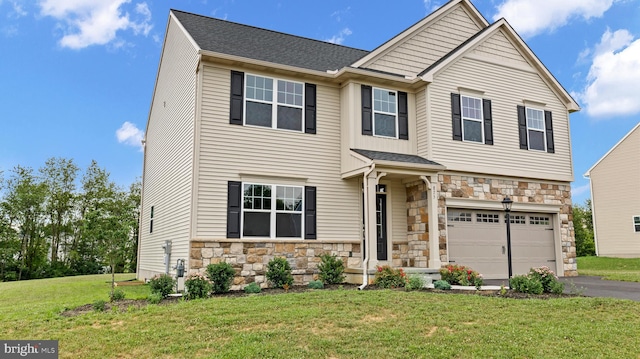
(578, 191)
(130, 135)
(339, 38)
(18, 10)
(95, 22)
(614, 75)
(532, 17)
(338, 14)
(431, 5)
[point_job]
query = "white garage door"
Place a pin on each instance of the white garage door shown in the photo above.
(478, 239)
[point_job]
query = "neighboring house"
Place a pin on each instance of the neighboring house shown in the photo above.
(262, 144)
(616, 212)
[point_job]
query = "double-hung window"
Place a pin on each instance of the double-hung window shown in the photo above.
(471, 119)
(535, 129)
(636, 223)
(271, 102)
(273, 211)
(385, 113)
(274, 103)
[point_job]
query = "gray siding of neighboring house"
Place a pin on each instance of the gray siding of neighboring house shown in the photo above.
(169, 155)
(615, 194)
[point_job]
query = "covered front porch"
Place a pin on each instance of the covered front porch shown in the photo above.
(398, 219)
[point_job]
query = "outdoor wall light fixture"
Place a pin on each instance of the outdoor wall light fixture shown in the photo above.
(506, 204)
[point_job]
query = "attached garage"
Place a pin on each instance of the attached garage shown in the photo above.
(478, 239)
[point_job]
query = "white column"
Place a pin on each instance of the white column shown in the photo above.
(434, 231)
(370, 222)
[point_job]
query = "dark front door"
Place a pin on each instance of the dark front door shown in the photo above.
(381, 225)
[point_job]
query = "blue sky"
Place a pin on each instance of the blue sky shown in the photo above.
(76, 76)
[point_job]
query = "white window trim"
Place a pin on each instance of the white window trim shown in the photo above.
(472, 119)
(373, 112)
(273, 211)
(274, 103)
(544, 130)
(634, 223)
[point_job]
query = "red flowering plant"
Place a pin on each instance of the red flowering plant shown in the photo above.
(387, 277)
(461, 275)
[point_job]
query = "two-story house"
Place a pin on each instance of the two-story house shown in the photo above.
(262, 144)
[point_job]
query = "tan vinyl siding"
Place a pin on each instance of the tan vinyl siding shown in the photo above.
(506, 87)
(615, 183)
(398, 209)
(499, 48)
(422, 132)
(422, 49)
(169, 154)
(231, 152)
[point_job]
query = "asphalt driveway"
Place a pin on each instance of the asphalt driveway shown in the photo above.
(593, 287)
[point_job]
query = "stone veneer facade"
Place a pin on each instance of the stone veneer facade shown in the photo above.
(250, 258)
(483, 188)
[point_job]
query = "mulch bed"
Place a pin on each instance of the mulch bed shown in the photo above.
(124, 305)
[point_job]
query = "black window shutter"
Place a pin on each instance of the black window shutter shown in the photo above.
(367, 126)
(456, 117)
(310, 213)
(522, 128)
(237, 97)
(234, 203)
(403, 116)
(488, 122)
(548, 125)
(310, 108)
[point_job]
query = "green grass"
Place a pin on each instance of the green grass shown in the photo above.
(624, 269)
(320, 324)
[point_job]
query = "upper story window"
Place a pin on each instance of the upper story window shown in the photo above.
(471, 119)
(271, 102)
(636, 223)
(384, 113)
(535, 129)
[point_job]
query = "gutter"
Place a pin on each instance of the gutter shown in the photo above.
(365, 261)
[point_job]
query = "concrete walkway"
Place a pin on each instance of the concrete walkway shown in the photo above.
(591, 287)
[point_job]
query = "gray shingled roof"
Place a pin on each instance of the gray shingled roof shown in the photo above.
(394, 157)
(260, 44)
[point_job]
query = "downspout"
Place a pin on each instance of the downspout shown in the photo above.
(365, 261)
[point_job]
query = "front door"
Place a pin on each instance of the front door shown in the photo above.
(381, 223)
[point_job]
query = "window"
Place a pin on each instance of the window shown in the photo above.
(487, 218)
(151, 221)
(384, 113)
(271, 102)
(471, 119)
(272, 211)
(262, 106)
(539, 220)
(636, 223)
(535, 129)
(516, 219)
(457, 216)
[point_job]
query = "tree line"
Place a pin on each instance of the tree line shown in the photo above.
(57, 221)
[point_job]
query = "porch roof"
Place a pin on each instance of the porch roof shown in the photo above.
(394, 157)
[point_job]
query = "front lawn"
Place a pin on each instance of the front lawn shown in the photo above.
(320, 324)
(625, 269)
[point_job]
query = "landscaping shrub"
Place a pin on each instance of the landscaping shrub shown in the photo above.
(252, 288)
(549, 280)
(279, 273)
(221, 275)
(387, 277)
(99, 305)
(118, 294)
(154, 298)
(415, 282)
(461, 275)
(442, 285)
(316, 284)
(197, 286)
(526, 284)
(331, 269)
(163, 284)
